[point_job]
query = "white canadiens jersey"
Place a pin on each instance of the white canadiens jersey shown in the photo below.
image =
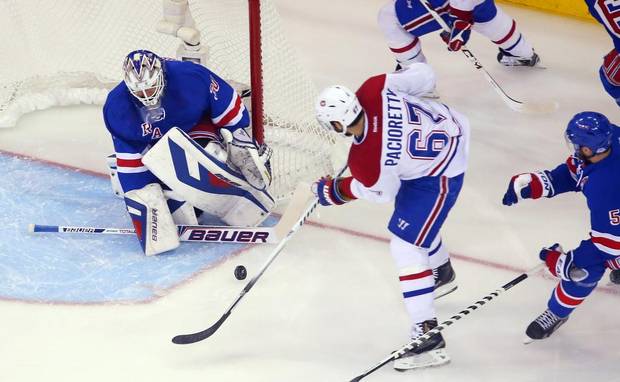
(405, 137)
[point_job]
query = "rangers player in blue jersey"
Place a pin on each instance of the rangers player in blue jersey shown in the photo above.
(608, 14)
(592, 170)
(180, 140)
(403, 22)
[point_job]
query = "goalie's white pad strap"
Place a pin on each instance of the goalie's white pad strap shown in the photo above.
(204, 182)
(113, 171)
(152, 220)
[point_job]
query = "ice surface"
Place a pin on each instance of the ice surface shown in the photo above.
(329, 307)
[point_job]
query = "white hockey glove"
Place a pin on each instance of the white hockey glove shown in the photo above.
(249, 159)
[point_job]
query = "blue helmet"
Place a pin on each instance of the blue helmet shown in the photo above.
(144, 76)
(589, 129)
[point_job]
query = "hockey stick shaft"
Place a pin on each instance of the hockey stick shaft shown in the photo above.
(184, 339)
(422, 339)
(514, 104)
(189, 233)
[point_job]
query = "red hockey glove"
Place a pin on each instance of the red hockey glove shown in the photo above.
(561, 265)
(528, 186)
(458, 36)
(326, 189)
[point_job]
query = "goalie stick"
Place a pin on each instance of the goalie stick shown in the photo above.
(187, 233)
(539, 107)
(184, 339)
(205, 233)
(422, 339)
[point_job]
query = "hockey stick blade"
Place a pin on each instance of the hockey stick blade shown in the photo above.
(186, 339)
(529, 107)
(541, 107)
(463, 313)
(535, 107)
(299, 199)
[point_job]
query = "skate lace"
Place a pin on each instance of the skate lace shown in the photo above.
(547, 319)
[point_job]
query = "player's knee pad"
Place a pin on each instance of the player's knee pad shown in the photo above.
(610, 74)
(407, 255)
(405, 47)
(116, 184)
(206, 183)
(152, 220)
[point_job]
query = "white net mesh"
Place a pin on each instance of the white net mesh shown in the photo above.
(70, 52)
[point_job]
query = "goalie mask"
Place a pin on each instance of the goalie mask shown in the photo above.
(144, 76)
(337, 104)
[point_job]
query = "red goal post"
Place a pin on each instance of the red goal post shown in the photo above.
(70, 52)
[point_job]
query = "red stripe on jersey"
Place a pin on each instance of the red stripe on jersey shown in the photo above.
(232, 113)
(205, 126)
(406, 48)
(128, 162)
(565, 298)
(426, 18)
(509, 35)
(416, 276)
(448, 155)
(443, 191)
(365, 157)
(462, 14)
(606, 242)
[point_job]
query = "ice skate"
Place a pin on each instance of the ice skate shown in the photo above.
(444, 280)
(431, 354)
(543, 326)
(507, 59)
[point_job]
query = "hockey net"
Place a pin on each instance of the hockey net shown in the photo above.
(70, 52)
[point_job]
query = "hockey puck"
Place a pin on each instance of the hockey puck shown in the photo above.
(240, 272)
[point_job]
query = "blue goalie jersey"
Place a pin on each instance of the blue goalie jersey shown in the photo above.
(194, 99)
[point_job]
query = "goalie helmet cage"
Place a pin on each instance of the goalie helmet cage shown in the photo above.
(70, 52)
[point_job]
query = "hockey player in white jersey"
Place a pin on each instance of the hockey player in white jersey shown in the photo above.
(412, 151)
(403, 22)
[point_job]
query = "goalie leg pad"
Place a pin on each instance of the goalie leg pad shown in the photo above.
(116, 184)
(204, 182)
(152, 220)
(182, 212)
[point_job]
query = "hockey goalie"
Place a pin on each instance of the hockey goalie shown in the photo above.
(180, 133)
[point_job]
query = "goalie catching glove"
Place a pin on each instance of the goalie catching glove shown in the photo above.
(247, 157)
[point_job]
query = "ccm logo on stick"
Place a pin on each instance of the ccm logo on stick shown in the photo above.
(235, 236)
